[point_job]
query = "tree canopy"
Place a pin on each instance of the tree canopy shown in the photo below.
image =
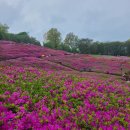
(71, 39)
(20, 37)
(72, 43)
(52, 38)
(3, 30)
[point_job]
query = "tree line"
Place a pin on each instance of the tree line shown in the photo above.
(22, 37)
(72, 43)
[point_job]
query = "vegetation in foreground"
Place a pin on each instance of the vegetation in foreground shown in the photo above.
(31, 98)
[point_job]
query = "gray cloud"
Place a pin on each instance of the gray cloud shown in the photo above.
(103, 20)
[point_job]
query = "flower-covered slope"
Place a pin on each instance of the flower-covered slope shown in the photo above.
(32, 55)
(12, 50)
(43, 89)
(103, 64)
(38, 100)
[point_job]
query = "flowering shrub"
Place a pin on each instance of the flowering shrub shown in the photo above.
(35, 99)
(41, 94)
(100, 64)
(12, 50)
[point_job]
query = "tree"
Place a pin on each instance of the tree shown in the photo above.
(53, 38)
(64, 47)
(23, 33)
(94, 48)
(4, 28)
(128, 47)
(71, 40)
(3, 31)
(114, 48)
(22, 37)
(49, 45)
(84, 45)
(101, 48)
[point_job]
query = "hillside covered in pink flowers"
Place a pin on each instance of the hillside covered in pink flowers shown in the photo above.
(46, 89)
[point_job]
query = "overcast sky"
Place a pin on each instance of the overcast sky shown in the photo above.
(101, 20)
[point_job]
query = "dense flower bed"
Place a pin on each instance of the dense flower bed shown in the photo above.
(32, 55)
(31, 98)
(43, 89)
(104, 64)
(34, 62)
(12, 50)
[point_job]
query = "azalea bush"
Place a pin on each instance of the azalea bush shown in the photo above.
(13, 50)
(101, 64)
(50, 93)
(31, 98)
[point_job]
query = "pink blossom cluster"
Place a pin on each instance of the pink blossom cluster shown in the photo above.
(101, 64)
(31, 98)
(13, 50)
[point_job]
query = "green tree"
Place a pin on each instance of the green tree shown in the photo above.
(94, 48)
(49, 45)
(64, 47)
(71, 40)
(3, 31)
(22, 37)
(101, 48)
(53, 38)
(4, 28)
(84, 45)
(23, 33)
(114, 48)
(128, 47)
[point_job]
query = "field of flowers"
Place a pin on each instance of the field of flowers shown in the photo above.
(50, 92)
(102, 64)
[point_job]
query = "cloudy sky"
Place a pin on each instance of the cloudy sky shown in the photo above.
(101, 20)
